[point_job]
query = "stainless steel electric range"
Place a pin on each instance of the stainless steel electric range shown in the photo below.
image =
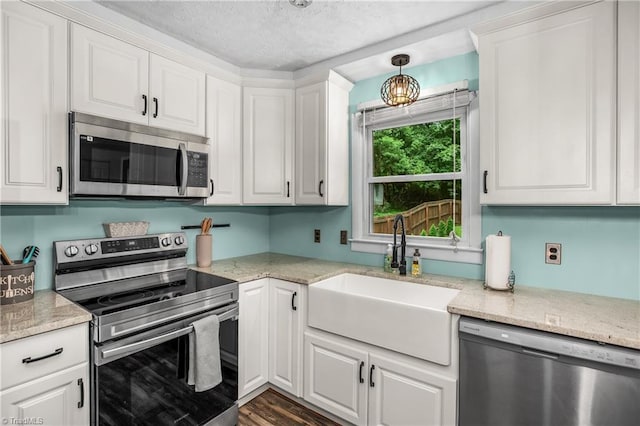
(143, 299)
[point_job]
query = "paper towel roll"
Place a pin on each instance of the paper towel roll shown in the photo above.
(497, 261)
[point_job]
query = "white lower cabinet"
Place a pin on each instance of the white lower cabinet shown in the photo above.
(272, 319)
(286, 322)
(368, 386)
(45, 378)
(57, 399)
(253, 335)
(400, 394)
(335, 378)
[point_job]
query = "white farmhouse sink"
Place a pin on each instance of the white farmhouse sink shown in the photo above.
(405, 317)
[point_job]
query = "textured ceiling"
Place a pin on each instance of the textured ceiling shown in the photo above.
(274, 35)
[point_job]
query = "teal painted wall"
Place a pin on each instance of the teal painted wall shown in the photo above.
(41, 225)
(601, 245)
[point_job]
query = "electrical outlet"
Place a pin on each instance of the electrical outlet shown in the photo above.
(552, 253)
(316, 235)
(343, 237)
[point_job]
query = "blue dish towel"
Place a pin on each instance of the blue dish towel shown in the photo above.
(204, 354)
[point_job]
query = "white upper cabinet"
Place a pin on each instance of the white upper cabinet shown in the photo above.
(547, 102)
(322, 142)
(177, 96)
(110, 78)
(268, 145)
(33, 87)
(628, 102)
(224, 130)
(113, 79)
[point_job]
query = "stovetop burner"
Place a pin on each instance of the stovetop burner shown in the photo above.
(124, 298)
(114, 301)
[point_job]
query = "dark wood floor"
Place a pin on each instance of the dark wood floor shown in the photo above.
(272, 408)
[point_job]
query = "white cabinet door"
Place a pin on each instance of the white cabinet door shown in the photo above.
(405, 395)
(268, 146)
(628, 102)
(60, 398)
(548, 109)
(109, 78)
(253, 336)
(335, 378)
(224, 130)
(33, 87)
(286, 310)
(311, 143)
(322, 142)
(177, 96)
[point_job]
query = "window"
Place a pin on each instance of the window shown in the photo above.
(418, 161)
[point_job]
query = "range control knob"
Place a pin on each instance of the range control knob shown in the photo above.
(91, 249)
(166, 241)
(71, 251)
(179, 240)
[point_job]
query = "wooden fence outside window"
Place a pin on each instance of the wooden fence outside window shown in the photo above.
(420, 217)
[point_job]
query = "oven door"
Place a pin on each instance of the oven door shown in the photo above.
(142, 379)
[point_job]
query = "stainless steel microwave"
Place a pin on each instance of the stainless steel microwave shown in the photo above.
(111, 158)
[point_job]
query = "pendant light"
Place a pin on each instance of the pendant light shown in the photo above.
(400, 89)
(300, 3)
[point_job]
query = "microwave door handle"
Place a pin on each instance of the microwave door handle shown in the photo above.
(182, 190)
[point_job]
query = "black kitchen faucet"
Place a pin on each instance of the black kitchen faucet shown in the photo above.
(403, 246)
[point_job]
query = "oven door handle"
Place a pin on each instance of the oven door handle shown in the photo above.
(132, 347)
(153, 341)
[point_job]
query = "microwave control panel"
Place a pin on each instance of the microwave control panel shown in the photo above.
(198, 169)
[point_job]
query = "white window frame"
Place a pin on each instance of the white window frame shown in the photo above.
(468, 248)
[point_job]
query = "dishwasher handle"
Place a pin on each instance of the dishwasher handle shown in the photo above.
(540, 354)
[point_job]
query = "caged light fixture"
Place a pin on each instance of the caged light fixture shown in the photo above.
(400, 89)
(300, 3)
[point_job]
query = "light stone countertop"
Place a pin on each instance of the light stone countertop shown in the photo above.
(47, 311)
(602, 319)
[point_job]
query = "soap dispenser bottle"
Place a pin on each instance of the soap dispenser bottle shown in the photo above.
(415, 265)
(387, 258)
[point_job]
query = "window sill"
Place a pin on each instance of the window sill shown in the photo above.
(428, 251)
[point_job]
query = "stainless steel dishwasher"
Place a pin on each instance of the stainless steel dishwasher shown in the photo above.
(515, 376)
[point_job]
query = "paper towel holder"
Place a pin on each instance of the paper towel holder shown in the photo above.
(510, 284)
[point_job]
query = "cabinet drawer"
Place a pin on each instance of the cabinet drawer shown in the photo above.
(19, 358)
